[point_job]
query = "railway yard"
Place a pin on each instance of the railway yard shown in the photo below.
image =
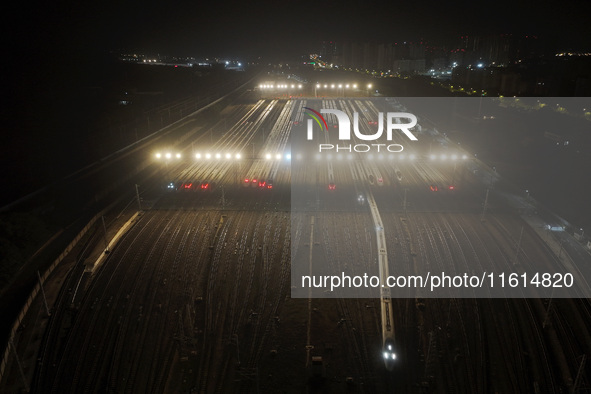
(203, 293)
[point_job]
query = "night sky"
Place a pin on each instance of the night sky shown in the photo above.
(246, 28)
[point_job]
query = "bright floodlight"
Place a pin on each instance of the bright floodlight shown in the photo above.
(158, 155)
(217, 155)
(208, 155)
(299, 86)
(228, 156)
(278, 156)
(369, 86)
(178, 155)
(354, 86)
(464, 157)
(168, 155)
(347, 86)
(340, 86)
(268, 156)
(292, 86)
(318, 86)
(198, 155)
(288, 156)
(237, 156)
(325, 86)
(332, 86)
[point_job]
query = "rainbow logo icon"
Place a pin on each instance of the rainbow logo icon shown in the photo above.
(317, 117)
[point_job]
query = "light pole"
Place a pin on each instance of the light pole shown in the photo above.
(105, 233)
(137, 193)
(484, 206)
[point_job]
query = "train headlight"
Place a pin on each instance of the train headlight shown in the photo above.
(386, 355)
